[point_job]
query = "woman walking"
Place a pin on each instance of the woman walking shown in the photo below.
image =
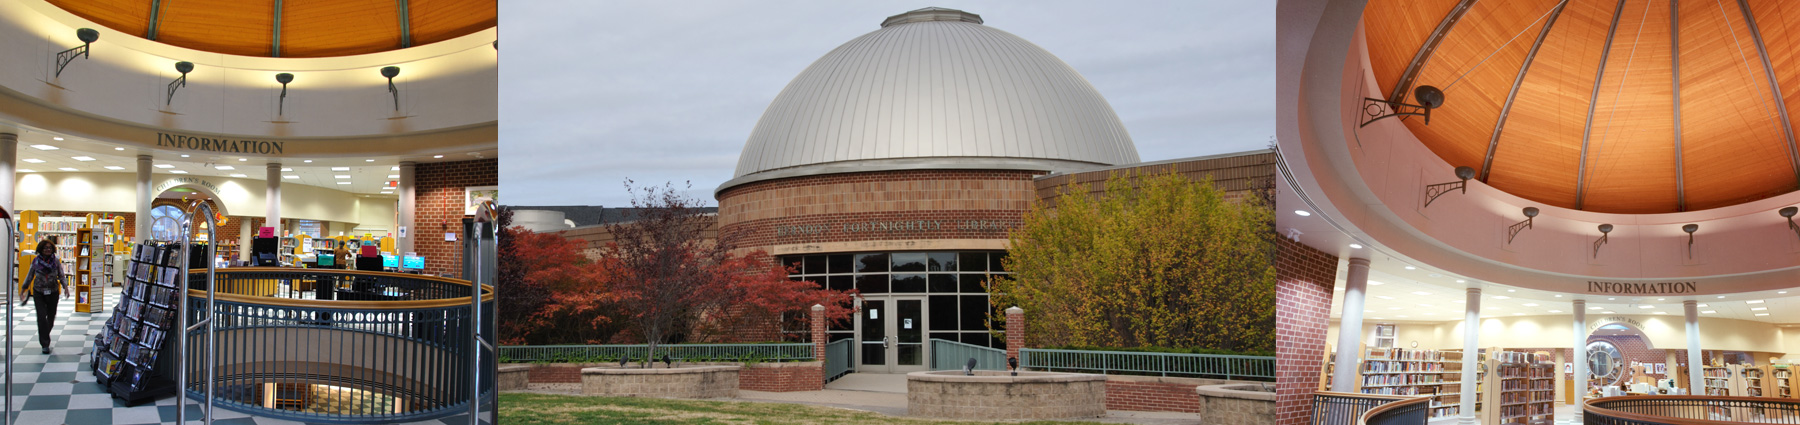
(43, 284)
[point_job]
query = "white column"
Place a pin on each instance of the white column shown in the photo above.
(403, 242)
(1579, 357)
(1349, 347)
(1696, 380)
(142, 221)
(272, 197)
(1471, 356)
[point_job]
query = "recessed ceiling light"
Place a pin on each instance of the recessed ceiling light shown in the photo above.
(1461, 281)
(82, 158)
(1646, 306)
(1753, 302)
(66, 169)
(34, 160)
(1781, 292)
(1376, 283)
(1660, 299)
(118, 149)
(1762, 314)
(343, 176)
(114, 167)
(1660, 312)
(44, 147)
(243, 159)
(178, 172)
(1501, 297)
(164, 166)
(290, 177)
(343, 182)
(386, 192)
(1709, 312)
(59, 139)
(1384, 297)
(238, 175)
(396, 168)
(1607, 312)
(368, 160)
(1302, 213)
(1380, 318)
(1595, 308)
(309, 161)
(1559, 295)
(1421, 293)
(1355, 246)
(1610, 299)
(1530, 304)
(1759, 308)
(393, 176)
(1555, 311)
(340, 168)
(437, 156)
(1401, 316)
(1411, 268)
(225, 167)
(27, 170)
(184, 155)
(287, 169)
(1721, 296)
(1701, 305)
(1512, 290)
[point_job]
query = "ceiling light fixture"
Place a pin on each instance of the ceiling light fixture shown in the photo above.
(87, 37)
(56, 138)
(290, 177)
(1302, 213)
(283, 78)
(114, 167)
(33, 160)
(1411, 268)
(1513, 231)
(184, 67)
(118, 149)
(66, 169)
(44, 147)
(82, 158)
(1355, 246)
(1690, 228)
(164, 166)
(340, 168)
(437, 156)
(308, 161)
(1605, 230)
(178, 172)
(393, 176)
(287, 169)
(1709, 312)
(238, 175)
(1461, 185)
(225, 167)
(1753, 302)
(27, 170)
(184, 155)
(390, 72)
(343, 182)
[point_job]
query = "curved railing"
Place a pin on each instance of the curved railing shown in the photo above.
(339, 346)
(1690, 410)
(1335, 408)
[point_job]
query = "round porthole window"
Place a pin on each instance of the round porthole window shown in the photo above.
(1605, 363)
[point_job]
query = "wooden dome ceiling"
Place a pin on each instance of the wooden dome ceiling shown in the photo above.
(312, 28)
(1619, 106)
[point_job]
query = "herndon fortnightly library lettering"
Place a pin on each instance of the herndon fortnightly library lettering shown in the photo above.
(1652, 288)
(217, 145)
(905, 226)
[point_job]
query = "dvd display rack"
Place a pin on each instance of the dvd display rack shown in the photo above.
(132, 354)
(84, 271)
(1522, 388)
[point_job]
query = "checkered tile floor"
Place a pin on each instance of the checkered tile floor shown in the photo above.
(59, 388)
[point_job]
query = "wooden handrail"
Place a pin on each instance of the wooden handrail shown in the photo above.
(488, 290)
(1589, 407)
(1405, 401)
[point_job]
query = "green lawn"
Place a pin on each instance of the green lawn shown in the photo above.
(533, 408)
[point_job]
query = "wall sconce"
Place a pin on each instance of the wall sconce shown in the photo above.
(87, 37)
(1605, 230)
(184, 67)
(283, 78)
(1789, 214)
(1514, 230)
(1463, 174)
(390, 72)
(1690, 228)
(1429, 98)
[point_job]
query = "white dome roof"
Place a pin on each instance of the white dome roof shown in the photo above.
(934, 89)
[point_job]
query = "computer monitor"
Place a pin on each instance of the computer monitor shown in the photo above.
(390, 261)
(327, 260)
(412, 262)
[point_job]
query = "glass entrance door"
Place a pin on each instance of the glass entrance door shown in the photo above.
(891, 332)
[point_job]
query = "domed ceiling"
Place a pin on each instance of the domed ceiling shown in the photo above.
(1618, 106)
(310, 28)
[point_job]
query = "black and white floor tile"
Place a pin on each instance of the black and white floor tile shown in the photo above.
(59, 388)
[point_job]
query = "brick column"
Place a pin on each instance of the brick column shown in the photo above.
(818, 332)
(1015, 332)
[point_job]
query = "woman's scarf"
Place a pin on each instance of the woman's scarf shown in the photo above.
(45, 264)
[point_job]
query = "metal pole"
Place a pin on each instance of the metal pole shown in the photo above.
(484, 213)
(11, 287)
(181, 345)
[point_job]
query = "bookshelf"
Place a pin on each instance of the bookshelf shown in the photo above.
(1755, 381)
(131, 354)
(1398, 371)
(1721, 380)
(84, 271)
(1522, 389)
(1781, 381)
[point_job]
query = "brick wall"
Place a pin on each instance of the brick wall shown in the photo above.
(1000, 198)
(1151, 395)
(1303, 280)
(783, 377)
(1236, 175)
(438, 209)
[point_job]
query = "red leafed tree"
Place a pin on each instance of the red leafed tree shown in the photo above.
(669, 278)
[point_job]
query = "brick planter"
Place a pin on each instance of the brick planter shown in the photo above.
(680, 382)
(1237, 404)
(514, 377)
(992, 395)
(1156, 393)
(782, 377)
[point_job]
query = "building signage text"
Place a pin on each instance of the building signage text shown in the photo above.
(1614, 319)
(898, 226)
(209, 144)
(1647, 288)
(179, 181)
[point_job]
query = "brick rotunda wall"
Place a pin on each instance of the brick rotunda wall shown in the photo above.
(1303, 280)
(916, 205)
(438, 209)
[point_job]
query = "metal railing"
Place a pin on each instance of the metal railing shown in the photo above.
(403, 353)
(1333, 408)
(1259, 368)
(1688, 409)
(951, 355)
(840, 358)
(636, 352)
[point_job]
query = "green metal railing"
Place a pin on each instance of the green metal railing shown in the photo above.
(680, 352)
(840, 358)
(951, 355)
(1139, 363)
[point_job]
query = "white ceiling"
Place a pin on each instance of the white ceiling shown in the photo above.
(367, 176)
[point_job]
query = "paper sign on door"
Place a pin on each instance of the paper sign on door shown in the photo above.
(874, 314)
(906, 323)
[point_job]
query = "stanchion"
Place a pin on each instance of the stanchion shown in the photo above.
(181, 363)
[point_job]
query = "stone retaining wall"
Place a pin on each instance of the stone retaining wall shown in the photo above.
(1236, 404)
(680, 382)
(514, 377)
(993, 395)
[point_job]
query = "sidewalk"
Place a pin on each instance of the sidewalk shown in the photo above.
(886, 394)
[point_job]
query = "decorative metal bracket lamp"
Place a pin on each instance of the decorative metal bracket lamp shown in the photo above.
(1605, 230)
(1513, 231)
(1463, 174)
(1690, 228)
(390, 72)
(1429, 98)
(184, 67)
(1789, 214)
(283, 78)
(87, 37)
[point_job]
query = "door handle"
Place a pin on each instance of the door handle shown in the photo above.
(884, 342)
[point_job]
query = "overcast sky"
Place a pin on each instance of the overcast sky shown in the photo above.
(592, 93)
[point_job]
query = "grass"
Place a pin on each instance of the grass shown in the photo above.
(535, 408)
